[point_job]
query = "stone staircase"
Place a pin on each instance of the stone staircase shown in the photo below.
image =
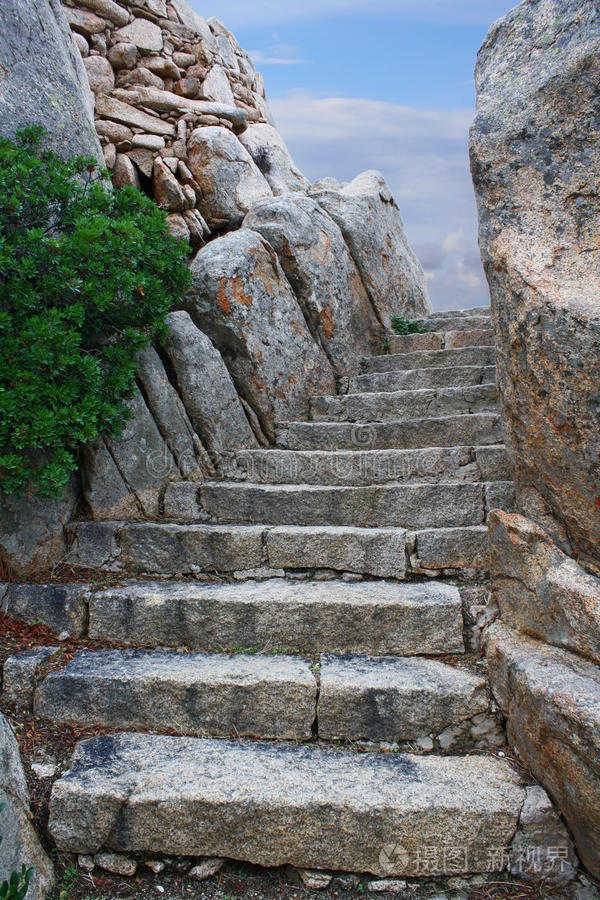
(330, 571)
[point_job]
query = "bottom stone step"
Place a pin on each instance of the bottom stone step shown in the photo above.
(277, 804)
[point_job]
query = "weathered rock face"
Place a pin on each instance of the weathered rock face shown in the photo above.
(123, 477)
(540, 590)
(20, 844)
(370, 221)
(551, 699)
(31, 530)
(318, 265)
(535, 168)
(229, 180)
(207, 391)
(43, 79)
(268, 150)
(243, 301)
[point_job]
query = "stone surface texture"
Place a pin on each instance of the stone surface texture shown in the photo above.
(212, 789)
(370, 221)
(20, 843)
(541, 591)
(535, 169)
(551, 699)
(325, 279)
(268, 150)
(44, 80)
(243, 301)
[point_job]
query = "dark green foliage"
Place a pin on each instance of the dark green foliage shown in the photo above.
(400, 325)
(87, 276)
(17, 884)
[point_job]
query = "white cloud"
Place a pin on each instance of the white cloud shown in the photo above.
(260, 58)
(241, 14)
(423, 155)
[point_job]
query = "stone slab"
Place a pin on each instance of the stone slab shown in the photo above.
(422, 359)
(421, 379)
(273, 805)
(186, 693)
(310, 617)
(394, 699)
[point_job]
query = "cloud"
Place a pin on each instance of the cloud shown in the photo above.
(278, 54)
(241, 14)
(423, 155)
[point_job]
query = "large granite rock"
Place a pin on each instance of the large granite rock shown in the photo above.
(372, 226)
(229, 178)
(123, 477)
(325, 279)
(551, 699)
(535, 164)
(205, 386)
(268, 150)
(20, 844)
(32, 530)
(539, 589)
(243, 301)
(43, 78)
(171, 417)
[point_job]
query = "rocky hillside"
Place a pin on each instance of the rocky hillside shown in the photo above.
(292, 283)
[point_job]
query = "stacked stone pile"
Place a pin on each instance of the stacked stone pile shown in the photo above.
(161, 75)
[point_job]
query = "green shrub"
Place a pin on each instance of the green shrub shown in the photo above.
(400, 325)
(17, 884)
(87, 276)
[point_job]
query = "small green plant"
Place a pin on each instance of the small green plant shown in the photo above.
(17, 884)
(400, 325)
(87, 276)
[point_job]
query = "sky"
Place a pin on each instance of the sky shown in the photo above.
(382, 85)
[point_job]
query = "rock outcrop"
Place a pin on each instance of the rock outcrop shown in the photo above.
(535, 166)
(243, 301)
(20, 844)
(43, 78)
(535, 163)
(370, 221)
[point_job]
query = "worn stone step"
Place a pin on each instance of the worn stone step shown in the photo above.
(400, 405)
(422, 379)
(378, 617)
(409, 434)
(395, 506)
(275, 804)
(188, 693)
(444, 550)
(443, 339)
(395, 698)
(347, 467)
(457, 320)
(424, 359)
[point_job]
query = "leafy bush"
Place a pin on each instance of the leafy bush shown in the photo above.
(87, 276)
(17, 884)
(400, 325)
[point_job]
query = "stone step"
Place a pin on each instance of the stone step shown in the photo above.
(436, 551)
(447, 339)
(422, 379)
(395, 698)
(200, 694)
(457, 320)
(378, 506)
(424, 359)
(272, 804)
(401, 405)
(258, 551)
(356, 468)
(409, 434)
(376, 698)
(378, 617)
